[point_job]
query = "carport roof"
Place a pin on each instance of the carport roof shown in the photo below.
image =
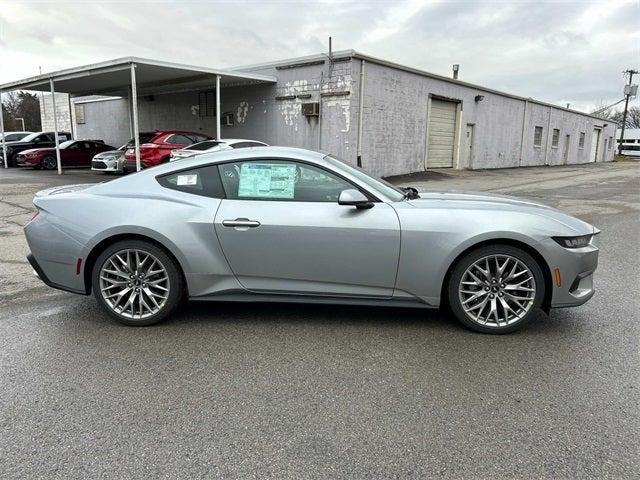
(113, 77)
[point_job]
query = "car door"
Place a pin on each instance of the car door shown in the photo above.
(87, 153)
(72, 155)
(281, 230)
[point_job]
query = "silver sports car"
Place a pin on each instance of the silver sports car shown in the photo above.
(284, 224)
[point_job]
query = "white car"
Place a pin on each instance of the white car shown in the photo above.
(110, 161)
(209, 146)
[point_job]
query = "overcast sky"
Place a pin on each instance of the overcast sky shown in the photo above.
(561, 52)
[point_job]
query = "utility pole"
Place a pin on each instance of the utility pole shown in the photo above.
(631, 73)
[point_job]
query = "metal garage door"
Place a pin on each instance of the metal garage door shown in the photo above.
(442, 128)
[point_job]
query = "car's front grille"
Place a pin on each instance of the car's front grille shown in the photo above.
(99, 165)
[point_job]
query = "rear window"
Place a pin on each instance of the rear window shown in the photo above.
(203, 145)
(204, 181)
(178, 139)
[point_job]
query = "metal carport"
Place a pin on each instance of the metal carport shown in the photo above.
(129, 77)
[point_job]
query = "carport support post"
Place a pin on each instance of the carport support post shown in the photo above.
(4, 146)
(134, 109)
(55, 126)
(218, 113)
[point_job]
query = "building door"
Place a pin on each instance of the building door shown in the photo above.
(442, 132)
(595, 142)
(468, 151)
(565, 151)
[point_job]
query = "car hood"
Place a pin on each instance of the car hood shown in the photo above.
(40, 150)
(497, 203)
(109, 153)
(17, 143)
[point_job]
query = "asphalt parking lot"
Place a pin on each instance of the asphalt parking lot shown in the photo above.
(294, 391)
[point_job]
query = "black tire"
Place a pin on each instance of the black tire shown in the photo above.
(172, 269)
(453, 295)
(49, 163)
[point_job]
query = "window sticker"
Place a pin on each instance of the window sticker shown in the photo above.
(266, 180)
(191, 179)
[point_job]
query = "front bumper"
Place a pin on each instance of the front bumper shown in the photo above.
(572, 271)
(100, 165)
(22, 161)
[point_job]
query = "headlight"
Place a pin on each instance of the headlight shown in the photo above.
(574, 242)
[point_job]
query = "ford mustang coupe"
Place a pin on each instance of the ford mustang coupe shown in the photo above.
(73, 153)
(290, 225)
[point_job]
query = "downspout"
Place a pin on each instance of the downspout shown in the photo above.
(4, 145)
(360, 114)
(547, 146)
(320, 111)
(524, 122)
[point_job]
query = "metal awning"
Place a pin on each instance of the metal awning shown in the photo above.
(130, 77)
(153, 76)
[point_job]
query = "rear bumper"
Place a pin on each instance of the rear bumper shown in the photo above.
(37, 270)
(55, 255)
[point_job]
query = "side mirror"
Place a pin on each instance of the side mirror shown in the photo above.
(354, 198)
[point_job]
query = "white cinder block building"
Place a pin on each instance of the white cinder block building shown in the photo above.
(388, 118)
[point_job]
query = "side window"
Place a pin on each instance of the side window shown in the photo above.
(45, 137)
(280, 180)
(75, 146)
(179, 140)
(203, 181)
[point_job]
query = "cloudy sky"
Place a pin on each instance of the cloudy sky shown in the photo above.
(557, 51)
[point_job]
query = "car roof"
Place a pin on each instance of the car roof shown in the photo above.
(236, 140)
(234, 155)
(165, 132)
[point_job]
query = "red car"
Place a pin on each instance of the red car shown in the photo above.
(73, 153)
(158, 149)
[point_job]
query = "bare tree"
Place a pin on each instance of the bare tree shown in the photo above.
(23, 105)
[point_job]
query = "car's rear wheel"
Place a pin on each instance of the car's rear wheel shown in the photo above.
(49, 163)
(496, 289)
(136, 282)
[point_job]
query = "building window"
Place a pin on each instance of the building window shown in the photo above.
(581, 141)
(610, 142)
(79, 114)
(555, 141)
(537, 137)
(207, 104)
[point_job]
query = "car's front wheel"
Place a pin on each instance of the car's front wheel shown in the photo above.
(496, 289)
(49, 162)
(136, 282)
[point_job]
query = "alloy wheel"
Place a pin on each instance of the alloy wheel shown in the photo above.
(134, 284)
(49, 163)
(497, 290)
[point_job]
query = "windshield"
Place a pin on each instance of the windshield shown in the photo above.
(376, 183)
(64, 145)
(203, 145)
(29, 137)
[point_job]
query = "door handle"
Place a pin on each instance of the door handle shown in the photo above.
(241, 222)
